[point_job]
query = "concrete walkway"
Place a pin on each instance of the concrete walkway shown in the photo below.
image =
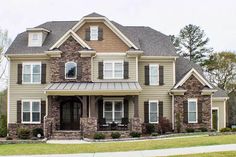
(150, 153)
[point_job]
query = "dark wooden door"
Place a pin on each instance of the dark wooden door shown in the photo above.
(70, 116)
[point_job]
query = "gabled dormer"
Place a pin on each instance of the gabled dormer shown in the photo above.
(36, 36)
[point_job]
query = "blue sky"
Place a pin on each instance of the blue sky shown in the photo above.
(216, 17)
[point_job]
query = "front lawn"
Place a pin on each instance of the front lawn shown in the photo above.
(216, 154)
(21, 149)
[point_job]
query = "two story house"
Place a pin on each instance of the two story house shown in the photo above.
(95, 74)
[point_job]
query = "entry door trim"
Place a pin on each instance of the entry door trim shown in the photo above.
(218, 122)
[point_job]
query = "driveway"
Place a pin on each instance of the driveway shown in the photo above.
(149, 153)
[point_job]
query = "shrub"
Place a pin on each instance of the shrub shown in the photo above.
(115, 135)
(189, 130)
(164, 126)
(23, 133)
(3, 126)
(150, 128)
(213, 130)
(203, 129)
(135, 134)
(225, 130)
(154, 134)
(37, 131)
(99, 136)
(233, 129)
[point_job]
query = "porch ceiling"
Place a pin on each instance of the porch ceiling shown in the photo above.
(94, 88)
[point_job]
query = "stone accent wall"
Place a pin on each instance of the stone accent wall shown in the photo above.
(194, 88)
(49, 127)
(136, 124)
(88, 125)
(54, 112)
(70, 52)
(12, 127)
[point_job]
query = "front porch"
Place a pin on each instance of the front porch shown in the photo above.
(89, 114)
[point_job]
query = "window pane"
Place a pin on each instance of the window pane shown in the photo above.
(153, 117)
(36, 77)
(192, 106)
(118, 116)
(108, 66)
(153, 107)
(70, 70)
(153, 70)
(35, 117)
(26, 106)
(36, 69)
(118, 74)
(108, 116)
(192, 116)
(108, 74)
(118, 66)
(26, 116)
(108, 106)
(118, 106)
(35, 106)
(26, 78)
(27, 69)
(35, 37)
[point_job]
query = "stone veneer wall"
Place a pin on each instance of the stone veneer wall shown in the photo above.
(70, 52)
(194, 88)
(12, 127)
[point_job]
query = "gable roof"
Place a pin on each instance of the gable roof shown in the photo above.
(152, 42)
(183, 66)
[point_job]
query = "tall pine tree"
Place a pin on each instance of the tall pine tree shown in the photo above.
(192, 43)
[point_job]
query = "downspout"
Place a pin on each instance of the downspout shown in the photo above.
(172, 111)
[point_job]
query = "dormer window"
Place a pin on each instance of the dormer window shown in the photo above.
(93, 32)
(35, 36)
(70, 70)
(35, 39)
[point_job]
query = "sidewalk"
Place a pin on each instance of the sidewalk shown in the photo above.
(149, 153)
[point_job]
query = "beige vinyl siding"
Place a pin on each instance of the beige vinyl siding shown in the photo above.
(23, 91)
(220, 104)
(100, 58)
(159, 93)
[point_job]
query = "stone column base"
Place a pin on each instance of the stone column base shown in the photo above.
(49, 127)
(88, 125)
(136, 124)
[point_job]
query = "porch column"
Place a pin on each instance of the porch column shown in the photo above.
(84, 115)
(136, 106)
(92, 106)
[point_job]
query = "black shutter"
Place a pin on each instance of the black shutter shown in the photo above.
(126, 108)
(161, 75)
(146, 112)
(199, 112)
(18, 111)
(43, 110)
(146, 73)
(19, 74)
(87, 34)
(185, 105)
(160, 109)
(126, 70)
(100, 109)
(79, 70)
(100, 34)
(100, 70)
(43, 73)
(62, 70)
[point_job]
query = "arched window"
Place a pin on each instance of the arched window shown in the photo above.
(70, 70)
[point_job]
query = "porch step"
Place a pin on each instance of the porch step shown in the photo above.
(66, 135)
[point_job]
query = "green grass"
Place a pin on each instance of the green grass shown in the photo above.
(21, 149)
(217, 154)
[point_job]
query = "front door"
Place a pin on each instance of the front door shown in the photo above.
(215, 119)
(70, 115)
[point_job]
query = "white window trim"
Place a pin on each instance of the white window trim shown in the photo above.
(149, 102)
(31, 117)
(31, 72)
(93, 27)
(113, 69)
(195, 100)
(113, 108)
(157, 66)
(71, 78)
